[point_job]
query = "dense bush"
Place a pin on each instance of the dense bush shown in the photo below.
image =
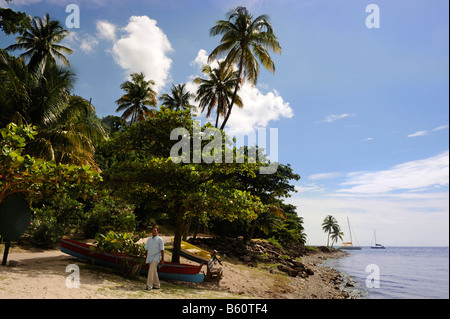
(53, 220)
(109, 213)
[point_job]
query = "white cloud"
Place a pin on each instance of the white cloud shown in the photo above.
(202, 59)
(85, 42)
(414, 176)
(426, 132)
(259, 108)
(88, 43)
(320, 176)
(335, 117)
(439, 128)
(418, 133)
(308, 187)
(106, 30)
(143, 48)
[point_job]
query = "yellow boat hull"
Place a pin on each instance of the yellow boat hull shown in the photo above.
(194, 253)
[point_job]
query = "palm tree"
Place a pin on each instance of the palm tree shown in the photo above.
(71, 139)
(217, 90)
(34, 98)
(179, 98)
(138, 98)
(245, 41)
(41, 43)
(336, 234)
(67, 125)
(328, 225)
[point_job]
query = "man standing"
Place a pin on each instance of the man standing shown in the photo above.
(155, 255)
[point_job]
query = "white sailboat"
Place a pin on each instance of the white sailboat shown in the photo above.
(349, 244)
(376, 246)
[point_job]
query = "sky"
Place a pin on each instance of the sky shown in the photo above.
(359, 98)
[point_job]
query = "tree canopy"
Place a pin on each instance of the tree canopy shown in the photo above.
(139, 165)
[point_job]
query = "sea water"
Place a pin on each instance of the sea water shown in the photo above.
(397, 272)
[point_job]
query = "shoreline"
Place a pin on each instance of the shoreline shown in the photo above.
(38, 274)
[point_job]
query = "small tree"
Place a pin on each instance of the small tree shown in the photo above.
(141, 169)
(328, 225)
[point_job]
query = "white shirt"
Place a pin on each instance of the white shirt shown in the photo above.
(154, 246)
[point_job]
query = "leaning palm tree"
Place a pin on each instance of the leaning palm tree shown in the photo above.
(179, 98)
(245, 41)
(336, 234)
(328, 225)
(41, 43)
(217, 90)
(139, 97)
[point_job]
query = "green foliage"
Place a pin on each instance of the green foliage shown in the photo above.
(112, 124)
(55, 219)
(125, 244)
(121, 243)
(109, 214)
(274, 242)
(12, 22)
(45, 231)
(38, 178)
(67, 124)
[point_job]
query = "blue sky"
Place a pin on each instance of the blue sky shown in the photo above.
(362, 113)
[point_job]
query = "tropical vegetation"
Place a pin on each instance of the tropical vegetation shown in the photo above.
(113, 177)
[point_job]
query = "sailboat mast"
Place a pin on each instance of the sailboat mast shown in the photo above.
(375, 235)
(350, 231)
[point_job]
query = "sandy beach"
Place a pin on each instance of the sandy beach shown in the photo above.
(37, 274)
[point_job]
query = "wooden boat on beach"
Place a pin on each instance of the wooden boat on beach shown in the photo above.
(170, 271)
(194, 253)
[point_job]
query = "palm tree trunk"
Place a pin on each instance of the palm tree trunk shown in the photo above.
(241, 66)
(217, 117)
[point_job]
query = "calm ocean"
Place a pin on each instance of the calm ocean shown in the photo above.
(398, 272)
